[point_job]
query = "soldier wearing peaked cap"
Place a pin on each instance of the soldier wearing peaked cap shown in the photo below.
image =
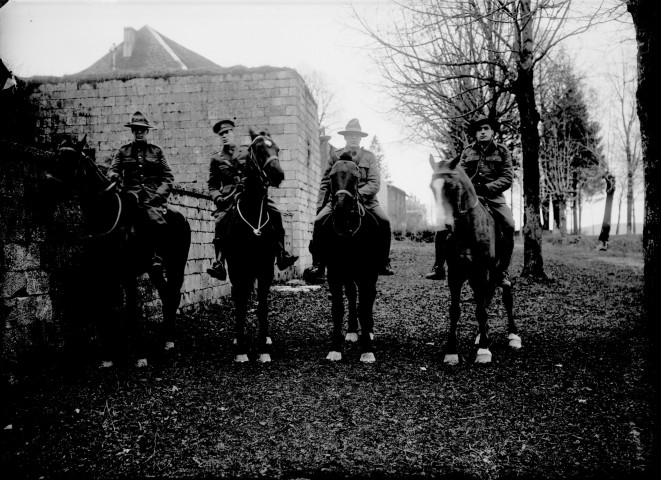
(369, 185)
(144, 172)
(226, 175)
(489, 166)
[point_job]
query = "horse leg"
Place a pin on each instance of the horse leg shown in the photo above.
(451, 354)
(367, 295)
(169, 308)
(337, 316)
(512, 331)
(135, 321)
(352, 297)
(483, 353)
(264, 340)
(240, 296)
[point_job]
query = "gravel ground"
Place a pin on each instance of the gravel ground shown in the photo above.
(577, 401)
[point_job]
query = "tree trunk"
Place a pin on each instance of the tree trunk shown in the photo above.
(629, 200)
(524, 91)
(560, 215)
(604, 236)
(619, 212)
(646, 21)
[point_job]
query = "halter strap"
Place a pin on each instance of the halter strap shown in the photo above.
(256, 230)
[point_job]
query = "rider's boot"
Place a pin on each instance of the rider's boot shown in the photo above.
(217, 270)
(438, 270)
(285, 259)
(386, 269)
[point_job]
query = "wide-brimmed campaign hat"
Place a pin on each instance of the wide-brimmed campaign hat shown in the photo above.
(223, 125)
(138, 119)
(353, 127)
(481, 120)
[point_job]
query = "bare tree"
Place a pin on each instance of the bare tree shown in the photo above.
(628, 133)
(646, 22)
(447, 60)
(325, 99)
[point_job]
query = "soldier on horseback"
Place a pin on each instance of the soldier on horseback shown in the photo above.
(489, 166)
(226, 177)
(368, 186)
(144, 173)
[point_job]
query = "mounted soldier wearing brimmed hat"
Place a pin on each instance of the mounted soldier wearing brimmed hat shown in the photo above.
(226, 176)
(369, 185)
(489, 166)
(144, 172)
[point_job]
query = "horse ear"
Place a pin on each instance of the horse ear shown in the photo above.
(253, 133)
(81, 142)
(432, 162)
(455, 162)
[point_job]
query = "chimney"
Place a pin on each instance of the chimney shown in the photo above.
(129, 41)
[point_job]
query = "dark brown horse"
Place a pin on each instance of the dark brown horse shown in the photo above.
(119, 255)
(347, 245)
(250, 250)
(471, 255)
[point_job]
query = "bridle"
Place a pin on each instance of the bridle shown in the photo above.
(263, 178)
(110, 187)
(254, 165)
(357, 207)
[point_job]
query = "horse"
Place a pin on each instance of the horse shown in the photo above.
(471, 255)
(347, 240)
(249, 249)
(108, 214)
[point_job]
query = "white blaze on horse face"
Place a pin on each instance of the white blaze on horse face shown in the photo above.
(442, 209)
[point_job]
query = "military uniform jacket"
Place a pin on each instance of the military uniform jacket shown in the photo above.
(369, 182)
(225, 175)
(144, 171)
(491, 168)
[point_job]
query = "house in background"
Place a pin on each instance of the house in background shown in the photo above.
(396, 207)
(148, 51)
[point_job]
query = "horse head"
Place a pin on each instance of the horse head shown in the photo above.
(344, 176)
(262, 159)
(74, 172)
(453, 191)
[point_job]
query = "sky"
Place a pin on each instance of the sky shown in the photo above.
(58, 37)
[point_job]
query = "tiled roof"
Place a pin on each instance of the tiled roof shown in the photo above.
(152, 52)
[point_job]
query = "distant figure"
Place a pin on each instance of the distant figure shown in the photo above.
(489, 166)
(226, 177)
(369, 185)
(141, 168)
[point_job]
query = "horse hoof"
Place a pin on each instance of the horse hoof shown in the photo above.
(515, 341)
(483, 356)
(367, 357)
(264, 358)
(451, 359)
(334, 356)
(106, 364)
(268, 341)
(169, 346)
(241, 358)
(351, 337)
(141, 363)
